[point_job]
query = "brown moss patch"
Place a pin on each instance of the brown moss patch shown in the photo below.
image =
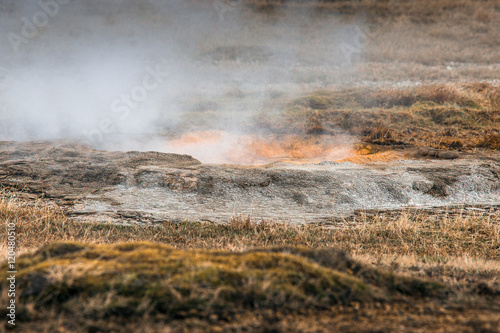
(444, 116)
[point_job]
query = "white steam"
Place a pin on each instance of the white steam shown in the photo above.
(126, 74)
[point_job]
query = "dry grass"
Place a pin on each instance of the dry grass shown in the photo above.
(407, 233)
(422, 9)
(446, 116)
(426, 238)
(460, 250)
(491, 141)
(479, 95)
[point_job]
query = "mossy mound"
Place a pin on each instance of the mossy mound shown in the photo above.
(440, 116)
(137, 279)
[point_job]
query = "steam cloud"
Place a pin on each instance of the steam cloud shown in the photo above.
(127, 74)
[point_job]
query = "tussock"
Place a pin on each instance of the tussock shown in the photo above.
(444, 116)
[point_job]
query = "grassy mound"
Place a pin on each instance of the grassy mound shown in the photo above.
(134, 279)
(440, 116)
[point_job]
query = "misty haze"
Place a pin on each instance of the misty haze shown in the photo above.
(127, 74)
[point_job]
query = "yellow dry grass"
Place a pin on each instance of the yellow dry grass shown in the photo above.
(446, 116)
(200, 287)
(407, 233)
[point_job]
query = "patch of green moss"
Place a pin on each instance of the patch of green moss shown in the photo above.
(130, 279)
(176, 280)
